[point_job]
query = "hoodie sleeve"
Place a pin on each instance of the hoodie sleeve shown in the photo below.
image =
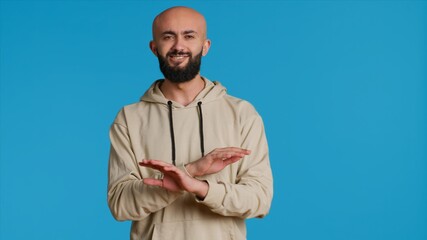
(128, 197)
(252, 193)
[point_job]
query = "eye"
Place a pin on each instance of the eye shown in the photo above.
(189, 37)
(167, 37)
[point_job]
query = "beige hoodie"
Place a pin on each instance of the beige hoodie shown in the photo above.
(143, 131)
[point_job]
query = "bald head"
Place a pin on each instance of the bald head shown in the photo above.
(179, 42)
(179, 19)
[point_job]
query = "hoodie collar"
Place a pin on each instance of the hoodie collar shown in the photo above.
(213, 90)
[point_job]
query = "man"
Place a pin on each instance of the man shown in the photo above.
(159, 174)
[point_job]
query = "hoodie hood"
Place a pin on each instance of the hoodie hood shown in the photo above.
(213, 90)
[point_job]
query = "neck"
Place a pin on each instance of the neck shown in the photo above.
(183, 93)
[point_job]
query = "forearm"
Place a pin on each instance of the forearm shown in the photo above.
(246, 188)
(133, 200)
(245, 199)
(128, 197)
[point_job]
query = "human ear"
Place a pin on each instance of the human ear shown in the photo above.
(153, 47)
(206, 46)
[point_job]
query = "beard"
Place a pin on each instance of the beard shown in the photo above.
(178, 74)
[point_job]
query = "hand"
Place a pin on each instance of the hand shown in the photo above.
(216, 160)
(174, 179)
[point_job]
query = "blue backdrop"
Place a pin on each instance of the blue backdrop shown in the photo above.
(341, 86)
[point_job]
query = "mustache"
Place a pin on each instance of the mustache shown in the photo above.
(178, 53)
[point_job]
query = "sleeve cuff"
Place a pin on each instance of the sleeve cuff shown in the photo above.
(184, 169)
(215, 195)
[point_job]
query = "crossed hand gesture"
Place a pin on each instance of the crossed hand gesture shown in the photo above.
(177, 180)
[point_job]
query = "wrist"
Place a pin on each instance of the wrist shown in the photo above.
(201, 190)
(189, 168)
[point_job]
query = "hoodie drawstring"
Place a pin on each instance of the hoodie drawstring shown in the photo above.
(171, 131)
(202, 143)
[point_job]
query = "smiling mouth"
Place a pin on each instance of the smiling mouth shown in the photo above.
(179, 55)
(178, 58)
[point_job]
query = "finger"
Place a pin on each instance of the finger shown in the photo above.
(231, 160)
(155, 164)
(231, 150)
(161, 166)
(173, 172)
(226, 155)
(236, 149)
(153, 182)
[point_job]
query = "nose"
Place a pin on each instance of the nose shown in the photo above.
(178, 44)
